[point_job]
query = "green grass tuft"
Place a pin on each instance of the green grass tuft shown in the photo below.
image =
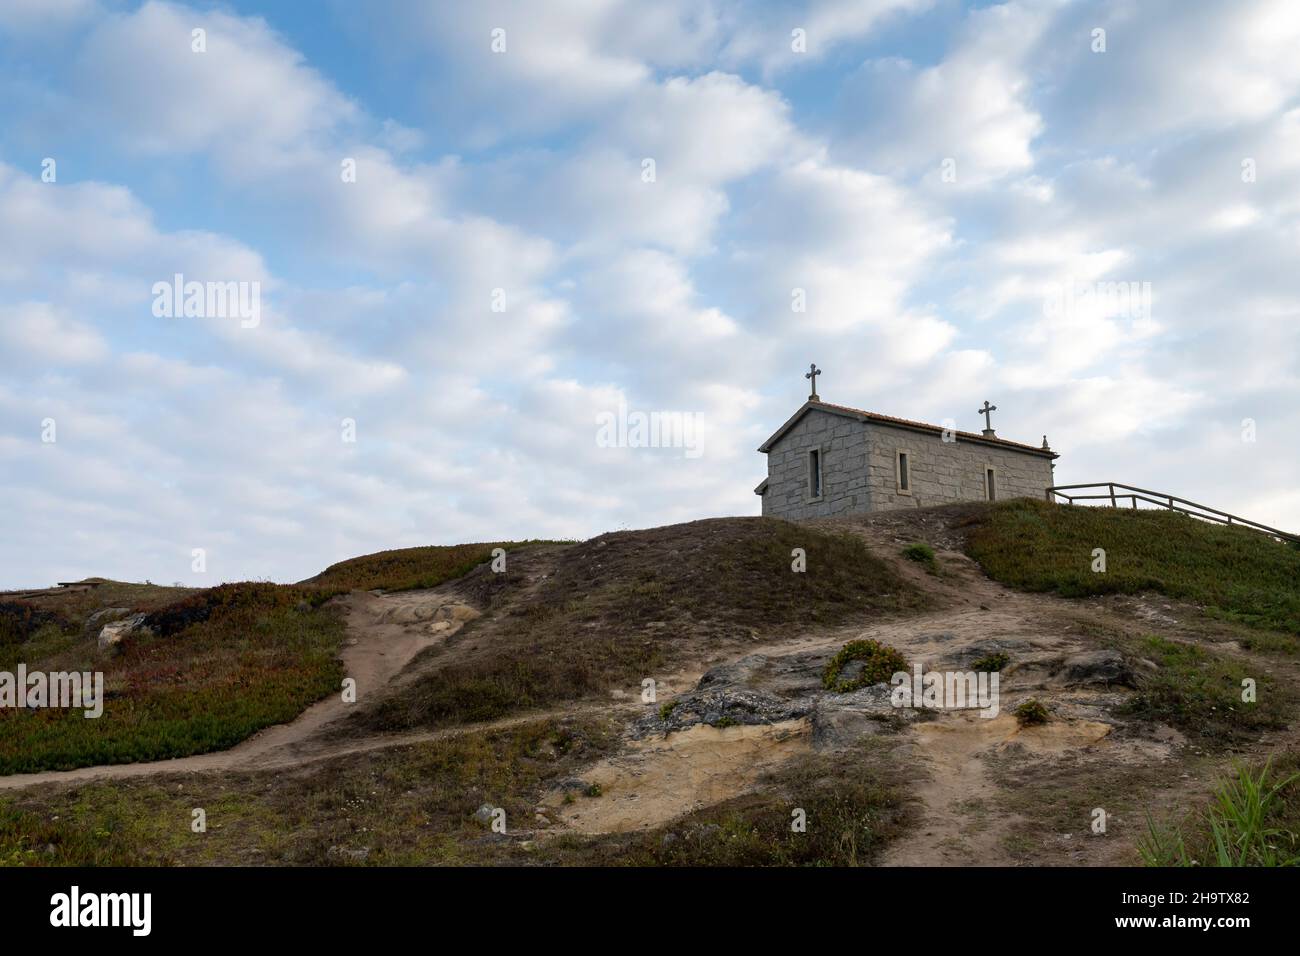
(1199, 692)
(1253, 820)
(923, 555)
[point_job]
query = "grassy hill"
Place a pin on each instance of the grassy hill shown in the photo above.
(215, 666)
(219, 664)
(622, 606)
(568, 622)
(1236, 574)
(404, 569)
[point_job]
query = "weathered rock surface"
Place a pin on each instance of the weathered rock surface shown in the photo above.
(113, 634)
(759, 689)
(104, 616)
(1106, 667)
(456, 613)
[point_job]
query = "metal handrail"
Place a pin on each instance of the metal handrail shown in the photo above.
(1160, 499)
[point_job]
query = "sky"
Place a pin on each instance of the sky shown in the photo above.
(478, 243)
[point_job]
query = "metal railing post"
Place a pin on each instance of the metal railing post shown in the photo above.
(1162, 500)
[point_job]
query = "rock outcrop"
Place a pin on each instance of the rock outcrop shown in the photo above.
(113, 634)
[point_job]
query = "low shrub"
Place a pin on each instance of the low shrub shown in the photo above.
(881, 663)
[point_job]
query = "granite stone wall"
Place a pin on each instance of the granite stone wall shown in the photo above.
(843, 444)
(943, 472)
(859, 469)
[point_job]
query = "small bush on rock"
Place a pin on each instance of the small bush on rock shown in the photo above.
(991, 662)
(1031, 712)
(880, 663)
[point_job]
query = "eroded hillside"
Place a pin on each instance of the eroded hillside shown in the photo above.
(661, 697)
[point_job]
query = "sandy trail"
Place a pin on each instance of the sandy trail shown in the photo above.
(657, 780)
(962, 822)
(386, 632)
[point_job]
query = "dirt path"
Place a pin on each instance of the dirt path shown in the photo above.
(386, 632)
(657, 780)
(992, 793)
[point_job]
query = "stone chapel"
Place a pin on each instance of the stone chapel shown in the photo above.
(829, 459)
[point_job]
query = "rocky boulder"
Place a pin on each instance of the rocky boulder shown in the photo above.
(113, 634)
(97, 620)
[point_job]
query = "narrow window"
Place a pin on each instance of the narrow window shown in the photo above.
(992, 486)
(815, 473)
(903, 484)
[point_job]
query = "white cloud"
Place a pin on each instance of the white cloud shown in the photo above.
(854, 242)
(249, 99)
(762, 33)
(35, 331)
(972, 108)
(710, 130)
(1169, 65)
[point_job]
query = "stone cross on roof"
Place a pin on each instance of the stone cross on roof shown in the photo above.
(988, 418)
(812, 373)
